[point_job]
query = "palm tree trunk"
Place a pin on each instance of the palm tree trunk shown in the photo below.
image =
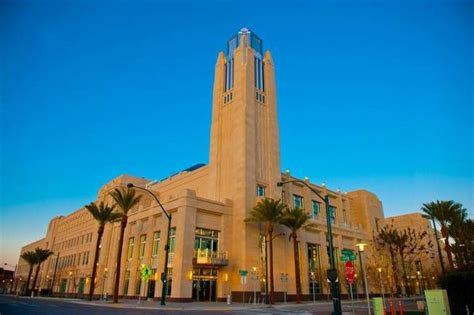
(447, 247)
(270, 242)
(297, 268)
(36, 277)
(100, 232)
(437, 244)
(119, 258)
(28, 280)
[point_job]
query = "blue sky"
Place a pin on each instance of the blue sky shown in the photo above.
(371, 94)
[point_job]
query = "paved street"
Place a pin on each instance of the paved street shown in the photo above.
(11, 305)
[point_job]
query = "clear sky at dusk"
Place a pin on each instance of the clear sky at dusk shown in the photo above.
(371, 94)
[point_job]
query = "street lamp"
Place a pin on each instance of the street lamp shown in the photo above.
(361, 251)
(331, 273)
(381, 285)
(164, 275)
(313, 280)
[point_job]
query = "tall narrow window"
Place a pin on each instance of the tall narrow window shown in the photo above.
(315, 208)
(131, 241)
(142, 245)
(298, 202)
(156, 243)
(332, 213)
(314, 269)
(172, 239)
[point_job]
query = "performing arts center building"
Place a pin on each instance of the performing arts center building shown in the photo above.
(211, 242)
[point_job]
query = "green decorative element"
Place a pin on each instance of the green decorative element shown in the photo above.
(437, 302)
(378, 306)
(146, 273)
(243, 273)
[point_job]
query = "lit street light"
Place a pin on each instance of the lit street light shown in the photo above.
(164, 276)
(381, 285)
(361, 251)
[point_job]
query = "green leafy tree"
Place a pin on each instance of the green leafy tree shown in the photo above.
(268, 212)
(31, 259)
(41, 256)
(125, 200)
(295, 219)
(102, 214)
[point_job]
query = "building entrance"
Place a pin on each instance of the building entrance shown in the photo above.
(151, 289)
(204, 290)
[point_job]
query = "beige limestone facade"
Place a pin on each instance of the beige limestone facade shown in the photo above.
(210, 239)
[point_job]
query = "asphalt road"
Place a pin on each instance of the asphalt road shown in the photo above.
(12, 305)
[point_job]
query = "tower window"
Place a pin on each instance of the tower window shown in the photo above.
(260, 191)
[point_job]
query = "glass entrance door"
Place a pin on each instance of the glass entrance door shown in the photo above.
(204, 290)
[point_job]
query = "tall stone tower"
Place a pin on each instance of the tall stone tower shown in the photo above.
(244, 147)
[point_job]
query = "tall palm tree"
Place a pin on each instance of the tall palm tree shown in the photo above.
(102, 214)
(444, 211)
(458, 230)
(31, 259)
(295, 219)
(269, 212)
(41, 256)
(125, 200)
(428, 209)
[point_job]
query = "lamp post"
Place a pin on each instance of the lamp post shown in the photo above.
(361, 251)
(164, 276)
(332, 272)
(381, 285)
(255, 277)
(313, 278)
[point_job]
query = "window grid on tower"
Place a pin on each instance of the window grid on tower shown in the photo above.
(229, 75)
(258, 73)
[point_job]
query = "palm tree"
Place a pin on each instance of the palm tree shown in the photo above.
(295, 219)
(428, 209)
(125, 200)
(444, 211)
(41, 256)
(269, 212)
(459, 230)
(103, 214)
(31, 259)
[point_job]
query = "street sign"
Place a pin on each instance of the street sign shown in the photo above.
(347, 252)
(243, 272)
(349, 267)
